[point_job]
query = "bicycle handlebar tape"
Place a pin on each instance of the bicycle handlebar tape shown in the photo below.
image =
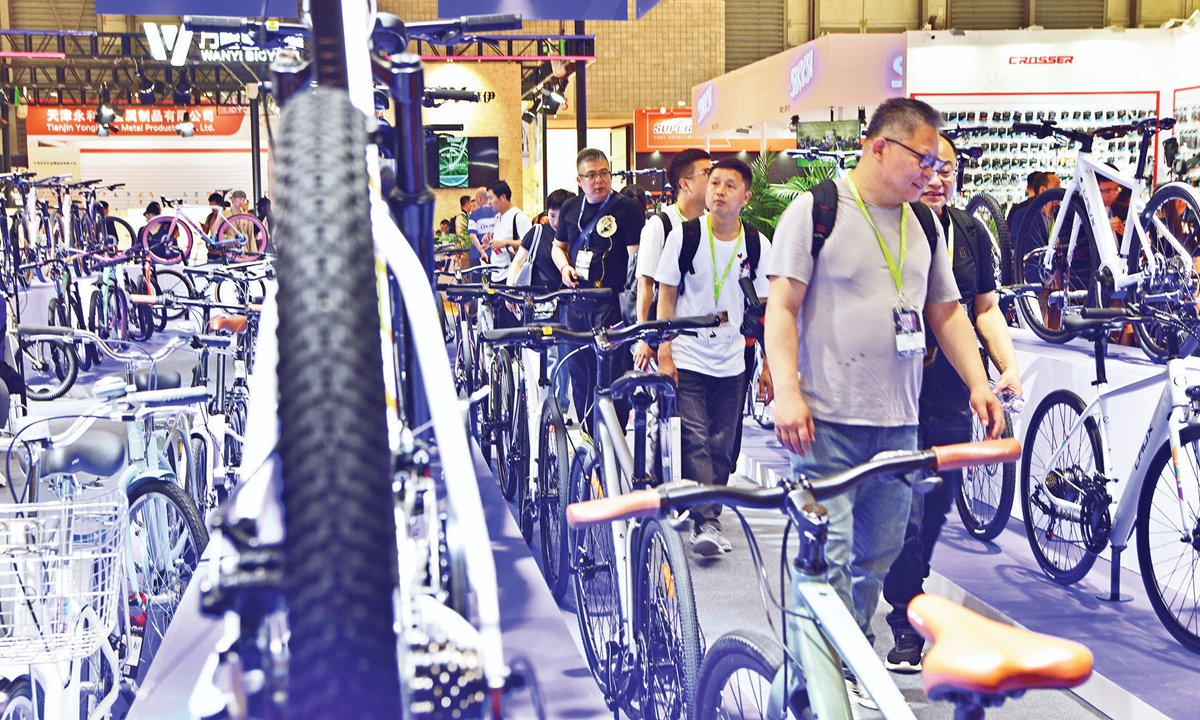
(1106, 313)
(988, 452)
(500, 21)
(174, 396)
(639, 503)
(30, 330)
(973, 654)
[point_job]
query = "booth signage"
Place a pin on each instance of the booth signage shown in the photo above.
(545, 9)
(801, 74)
(670, 130)
(173, 42)
(63, 120)
(705, 103)
(179, 8)
(1041, 59)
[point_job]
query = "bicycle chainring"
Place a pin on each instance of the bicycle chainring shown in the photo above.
(444, 681)
(1173, 283)
(1094, 518)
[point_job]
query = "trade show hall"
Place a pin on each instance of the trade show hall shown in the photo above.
(644, 360)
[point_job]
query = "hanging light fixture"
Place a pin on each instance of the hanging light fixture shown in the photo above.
(147, 89)
(183, 89)
(106, 112)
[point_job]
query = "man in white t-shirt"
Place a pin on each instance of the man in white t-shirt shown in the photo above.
(687, 174)
(710, 367)
(511, 225)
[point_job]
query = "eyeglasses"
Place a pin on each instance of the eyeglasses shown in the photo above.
(948, 172)
(705, 172)
(596, 175)
(925, 162)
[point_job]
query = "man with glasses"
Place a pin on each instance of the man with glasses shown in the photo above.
(596, 233)
(859, 378)
(687, 174)
(945, 411)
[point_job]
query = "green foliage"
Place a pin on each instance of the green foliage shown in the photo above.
(769, 200)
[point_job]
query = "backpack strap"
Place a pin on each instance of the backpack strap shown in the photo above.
(753, 249)
(928, 223)
(824, 213)
(687, 252)
(666, 223)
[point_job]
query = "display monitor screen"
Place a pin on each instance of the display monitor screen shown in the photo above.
(463, 162)
(833, 135)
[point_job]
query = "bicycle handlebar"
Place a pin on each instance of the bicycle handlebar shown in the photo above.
(656, 501)
(614, 337)
(174, 396)
(450, 94)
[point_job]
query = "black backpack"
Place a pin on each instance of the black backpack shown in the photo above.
(824, 214)
(691, 243)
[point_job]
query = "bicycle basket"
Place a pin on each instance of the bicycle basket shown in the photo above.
(59, 575)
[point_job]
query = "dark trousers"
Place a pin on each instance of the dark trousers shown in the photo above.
(906, 578)
(736, 450)
(709, 416)
(582, 365)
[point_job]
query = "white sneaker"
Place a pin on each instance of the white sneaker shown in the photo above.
(858, 694)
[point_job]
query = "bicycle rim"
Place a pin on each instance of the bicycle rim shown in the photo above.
(553, 480)
(593, 568)
(667, 625)
(1060, 290)
(985, 496)
(736, 676)
(1172, 223)
(985, 208)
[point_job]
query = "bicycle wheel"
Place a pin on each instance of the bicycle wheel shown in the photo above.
(84, 351)
(118, 234)
(249, 236)
(108, 314)
(166, 540)
(1168, 538)
(1057, 536)
(498, 425)
(141, 318)
(333, 444)
(518, 462)
(593, 568)
(985, 496)
(167, 240)
(763, 411)
(735, 678)
(235, 415)
(1047, 295)
(985, 208)
(201, 484)
(1172, 224)
(171, 281)
(50, 367)
(95, 681)
(20, 700)
(178, 453)
(665, 622)
(553, 487)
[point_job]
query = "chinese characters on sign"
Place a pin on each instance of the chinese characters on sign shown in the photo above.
(154, 120)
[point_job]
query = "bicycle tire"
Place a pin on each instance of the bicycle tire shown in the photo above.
(985, 495)
(499, 421)
(201, 482)
(987, 209)
(518, 464)
(84, 351)
(178, 453)
(665, 621)
(140, 318)
(593, 559)
(1065, 279)
(554, 485)
(736, 676)
(1172, 222)
(235, 415)
(159, 506)
(52, 368)
(20, 694)
(254, 248)
(339, 581)
(170, 280)
(118, 234)
(1061, 555)
(1168, 513)
(762, 411)
(159, 241)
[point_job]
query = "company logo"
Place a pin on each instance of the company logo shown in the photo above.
(706, 102)
(801, 74)
(1041, 60)
(898, 68)
(214, 46)
(165, 39)
(673, 126)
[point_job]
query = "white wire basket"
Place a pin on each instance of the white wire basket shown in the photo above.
(60, 567)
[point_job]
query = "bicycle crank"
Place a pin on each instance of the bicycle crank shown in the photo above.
(1095, 520)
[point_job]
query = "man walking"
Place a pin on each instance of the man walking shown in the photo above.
(510, 226)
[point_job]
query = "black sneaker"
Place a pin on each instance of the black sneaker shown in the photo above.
(905, 656)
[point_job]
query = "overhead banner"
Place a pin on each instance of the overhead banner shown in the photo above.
(831, 71)
(66, 120)
(285, 9)
(544, 9)
(670, 130)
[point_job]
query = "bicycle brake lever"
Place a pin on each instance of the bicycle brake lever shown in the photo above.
(926, 485)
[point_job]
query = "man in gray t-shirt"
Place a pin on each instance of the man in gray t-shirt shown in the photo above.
(838, 320)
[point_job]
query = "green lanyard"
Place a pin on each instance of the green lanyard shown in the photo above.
(712, 248)
(887, 254)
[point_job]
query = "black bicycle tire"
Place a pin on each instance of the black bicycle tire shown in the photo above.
(499, 422)
(23, 687)
(115, 238)
(339, 583)
(740, 650)
(595, 642)
(518, 464)
(554, 485)
(66, 375)
(682, 647)
(1145, 332)
(1003, 241)
(1187, 635)
(200, 480)
(1059, 573)
(980, 528)
(1023, 246)
(84, 352)
(140, 319)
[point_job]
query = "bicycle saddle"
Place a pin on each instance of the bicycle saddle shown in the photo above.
(98, 452)
(972, 654)
(228, 323)
(634, 379)
(166, 380)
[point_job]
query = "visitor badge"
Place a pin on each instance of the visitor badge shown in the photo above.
(910, 334)
(583, 264)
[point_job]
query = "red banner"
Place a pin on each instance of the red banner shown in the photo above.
(670, 130)
(148, 120)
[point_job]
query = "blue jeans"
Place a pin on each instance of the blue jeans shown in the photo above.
(866, 523)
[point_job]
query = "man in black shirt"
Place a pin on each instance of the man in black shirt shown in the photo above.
(596, 233)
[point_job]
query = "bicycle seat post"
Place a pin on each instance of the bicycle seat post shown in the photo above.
(1101, 349)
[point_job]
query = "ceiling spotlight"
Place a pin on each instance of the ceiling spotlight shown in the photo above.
(551, 101)
(106, 112)
(186, 128)
(529, 117)
(147, 89)
(183, 89)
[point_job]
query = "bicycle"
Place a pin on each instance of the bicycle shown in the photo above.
(1066, 470)
(974, 663)
(168, 239)
(1076, 260)
(633, 588)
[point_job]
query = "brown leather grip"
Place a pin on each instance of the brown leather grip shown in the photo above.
(988, 452)
(639, 503)
(143, 299)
